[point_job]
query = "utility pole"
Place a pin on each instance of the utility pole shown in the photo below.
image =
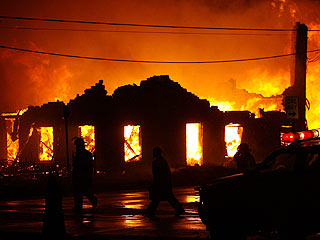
(295, 96)
(66, 116)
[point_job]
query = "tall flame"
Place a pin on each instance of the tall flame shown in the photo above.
(132, 143)
(87, 132)
(12, 146)
(194, 140)
(63, 78)
(233, 135)
(313, 78)
(46, 143)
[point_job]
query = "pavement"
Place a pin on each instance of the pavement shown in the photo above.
(119, 215)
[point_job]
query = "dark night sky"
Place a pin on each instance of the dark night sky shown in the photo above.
(31, 79)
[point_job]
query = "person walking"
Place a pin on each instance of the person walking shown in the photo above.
(162, 187)
(82, 171)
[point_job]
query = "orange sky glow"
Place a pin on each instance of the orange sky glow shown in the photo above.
(31, 79)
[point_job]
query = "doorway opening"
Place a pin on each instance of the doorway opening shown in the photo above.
(132, 143)
(194, 142)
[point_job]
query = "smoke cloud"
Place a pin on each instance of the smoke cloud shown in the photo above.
(30, 79)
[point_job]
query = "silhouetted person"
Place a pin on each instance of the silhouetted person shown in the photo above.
(243, 157)
(162, 187)
(82, 163)
(53, 223)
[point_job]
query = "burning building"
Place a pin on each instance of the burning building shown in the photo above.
(262, 134)
(41, 134)
(124, 127)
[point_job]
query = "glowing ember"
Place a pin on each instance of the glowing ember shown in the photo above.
(194, 138)
(12, 134)
(250, 104)
(12, 146)
(132, 143)
(222, 105)
(46, 143)
(87, 132)
(18, 113)
(233, 135)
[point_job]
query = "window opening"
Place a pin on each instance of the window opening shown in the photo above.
(46, 143)
(87, 132)
(233, 136)
(132, 143)
(194, 142)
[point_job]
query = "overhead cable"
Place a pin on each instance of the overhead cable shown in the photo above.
(315, 58)
(151, 61)
(141, 32)
(146, 25)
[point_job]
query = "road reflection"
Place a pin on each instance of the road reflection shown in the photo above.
(133, 200)
(116, 214)
(133, 221)
(192, 198)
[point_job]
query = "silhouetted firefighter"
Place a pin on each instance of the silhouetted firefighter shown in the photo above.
(82, 172)
(53, 223)
(162, 188)
(243, 157)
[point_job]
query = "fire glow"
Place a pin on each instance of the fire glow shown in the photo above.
(266, 78)
(12, 146)
(194, 142)
(12, 134)
(132, 143)
(46, 143)
(87, 132)
(233, 135)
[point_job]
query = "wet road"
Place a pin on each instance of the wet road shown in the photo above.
(119, 214)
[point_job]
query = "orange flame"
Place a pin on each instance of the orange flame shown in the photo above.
(194, 138)
(15, 114)
(87, 132)
(46, 143)
(132, 143)
(12, 146)
(233, 135)
(313, 71)
(222, 105)
(313, 96)
(45, 72)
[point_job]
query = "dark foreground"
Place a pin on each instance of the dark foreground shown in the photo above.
(119, 215)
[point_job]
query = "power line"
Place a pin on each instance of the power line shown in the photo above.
(152, 61)
(146, 25)
(141, 32)
(315, 58)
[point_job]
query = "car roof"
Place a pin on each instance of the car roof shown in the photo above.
(310, 143)
(312, 146)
